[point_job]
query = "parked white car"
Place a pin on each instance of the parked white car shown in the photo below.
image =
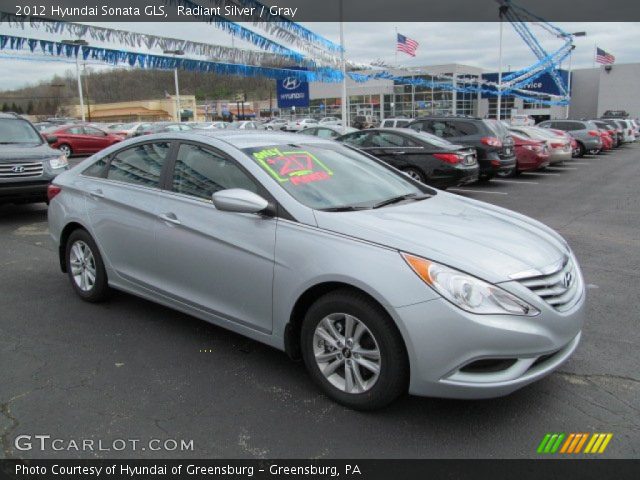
(330, 121)
(301, 124)
(395, 122)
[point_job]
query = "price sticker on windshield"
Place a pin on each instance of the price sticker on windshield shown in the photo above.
(297, 167)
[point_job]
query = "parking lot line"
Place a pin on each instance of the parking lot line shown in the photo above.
(477, 191)
(541, 173)
(580, 163)
(561, 168)
(504, 180)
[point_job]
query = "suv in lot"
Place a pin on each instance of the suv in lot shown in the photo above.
(395, 123)
(491, 139)
(584, 131)
(364, 121)
(27, 162)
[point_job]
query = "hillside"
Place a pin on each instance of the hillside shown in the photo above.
(49, 97)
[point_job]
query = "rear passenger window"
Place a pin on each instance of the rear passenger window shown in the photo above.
(97, 169)
(139, 165)
(200, 173)
(461, 129)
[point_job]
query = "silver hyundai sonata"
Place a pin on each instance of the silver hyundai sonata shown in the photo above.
(381, 284)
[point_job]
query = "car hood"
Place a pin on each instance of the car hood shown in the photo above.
(13, 153)
(489, 242)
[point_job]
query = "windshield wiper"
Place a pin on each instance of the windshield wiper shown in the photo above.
(344, 208)
(400, 198)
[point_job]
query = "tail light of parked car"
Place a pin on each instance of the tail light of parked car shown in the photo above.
(452, 158)
(52, 191)
(535, 148)
(491, 141)
(594, 133)
(558, 144)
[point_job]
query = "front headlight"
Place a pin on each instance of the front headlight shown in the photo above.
(58, 162)
(469, 293)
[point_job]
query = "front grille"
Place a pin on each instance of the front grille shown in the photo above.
(21, 170)
(561, 289)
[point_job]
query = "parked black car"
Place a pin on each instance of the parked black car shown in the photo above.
(423, 157)
(27, 163)
(491, 139)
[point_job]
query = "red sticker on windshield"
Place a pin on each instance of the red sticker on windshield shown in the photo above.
(297, 167)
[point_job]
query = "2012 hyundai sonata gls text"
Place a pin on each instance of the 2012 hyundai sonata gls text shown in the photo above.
(380, 283)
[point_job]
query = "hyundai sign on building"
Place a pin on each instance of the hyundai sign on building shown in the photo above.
(292, 92)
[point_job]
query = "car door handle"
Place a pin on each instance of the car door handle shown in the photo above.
(170, 218)
(96, 193)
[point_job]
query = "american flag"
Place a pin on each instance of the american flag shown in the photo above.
(407, 45)
(604, 57)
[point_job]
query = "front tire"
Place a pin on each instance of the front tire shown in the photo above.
(353, 351)
(85, 267)
(415, 174)
(66, 150)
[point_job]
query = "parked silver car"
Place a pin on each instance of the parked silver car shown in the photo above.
(584, 131)
(380, 283)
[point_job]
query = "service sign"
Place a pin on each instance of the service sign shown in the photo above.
(292, 92)
(543, 84)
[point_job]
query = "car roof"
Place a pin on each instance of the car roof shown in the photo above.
(252, 138)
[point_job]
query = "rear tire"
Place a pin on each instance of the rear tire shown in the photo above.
(85, 267)
(353, 341)
(581, 150)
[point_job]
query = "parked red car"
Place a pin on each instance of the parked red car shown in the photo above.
(80, 139)
(530, 154)
(607, 141)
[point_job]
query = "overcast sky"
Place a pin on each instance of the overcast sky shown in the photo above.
(467, 43)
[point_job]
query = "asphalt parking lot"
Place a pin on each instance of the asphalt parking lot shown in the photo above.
(130, 369)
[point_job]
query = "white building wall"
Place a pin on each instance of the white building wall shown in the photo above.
(619, 89)
(584, 93)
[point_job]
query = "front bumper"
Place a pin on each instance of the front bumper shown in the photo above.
(444, 341)
(24, 191)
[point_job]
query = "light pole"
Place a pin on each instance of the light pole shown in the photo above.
(79, 44)
(343, 67)
(502, 11)
(175, 74)
(571, 37)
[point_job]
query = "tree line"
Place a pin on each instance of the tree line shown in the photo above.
(54, 96)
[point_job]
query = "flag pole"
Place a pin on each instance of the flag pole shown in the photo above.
(396, 46)
(499, 102)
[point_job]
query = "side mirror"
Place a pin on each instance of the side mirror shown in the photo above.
(51, 140)
(239, 200)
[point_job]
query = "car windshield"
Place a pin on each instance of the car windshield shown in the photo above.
(332, 176)
(18, 132)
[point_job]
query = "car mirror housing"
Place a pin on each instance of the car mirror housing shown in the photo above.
(239, 200)
(51, 140)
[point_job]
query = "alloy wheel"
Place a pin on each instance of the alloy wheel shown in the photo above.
(66, 150)
(83, 266)
(347, 353)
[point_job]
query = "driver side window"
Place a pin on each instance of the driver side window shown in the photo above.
(200, 173)
(358, 139)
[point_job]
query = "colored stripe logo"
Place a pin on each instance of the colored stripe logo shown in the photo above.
(573, 443)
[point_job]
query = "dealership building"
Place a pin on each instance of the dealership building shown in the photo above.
(594, 91)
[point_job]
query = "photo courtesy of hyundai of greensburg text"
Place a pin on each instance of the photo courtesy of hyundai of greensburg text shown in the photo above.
(290, 239)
